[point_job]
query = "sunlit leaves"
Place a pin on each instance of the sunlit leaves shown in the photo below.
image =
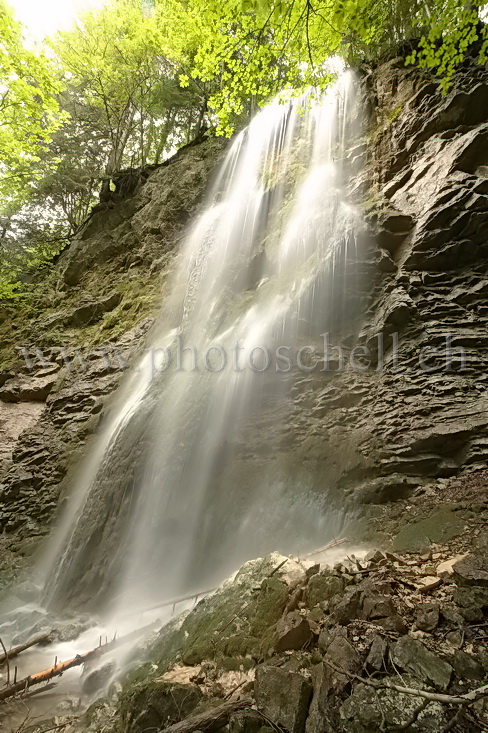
(256, 47)
(28, 110)
(453, 27)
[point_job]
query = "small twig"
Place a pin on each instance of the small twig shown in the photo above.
(32, 693)
(22, 725)
(406, 583)
(334, 543)
(173, 601)
(271, 722)
(390, 657)
(7, 661)
(210, 720)
(229, 694)
(382, 712)
(278, 567)
(465, 699)
(55, 727)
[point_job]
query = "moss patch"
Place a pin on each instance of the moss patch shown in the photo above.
(441, 526)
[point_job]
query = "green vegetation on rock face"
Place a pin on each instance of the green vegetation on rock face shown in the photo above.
(113, 275)
(440, 526)
(45, 318)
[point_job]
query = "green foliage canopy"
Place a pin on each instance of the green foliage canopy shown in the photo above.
(28, 109)
(135, 79)
(255, 48)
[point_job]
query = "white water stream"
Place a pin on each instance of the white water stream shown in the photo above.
(262, 274)
(192, 472)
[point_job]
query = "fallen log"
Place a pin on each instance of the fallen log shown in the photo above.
(173, 601)
(59, 668)
(210, 720)
(48, 674)
(329, 546)
(11, 653)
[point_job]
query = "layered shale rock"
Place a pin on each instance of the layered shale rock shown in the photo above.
(419, 409)
(63, 360)
(400, 397)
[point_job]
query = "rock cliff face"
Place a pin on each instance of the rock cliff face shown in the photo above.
(419, 412)
(397, 445)
(430, 417)
(65, 358)
(365, 437)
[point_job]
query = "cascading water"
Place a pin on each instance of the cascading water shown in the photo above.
(195, 471)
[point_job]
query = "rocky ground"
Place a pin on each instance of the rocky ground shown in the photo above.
(383, 640)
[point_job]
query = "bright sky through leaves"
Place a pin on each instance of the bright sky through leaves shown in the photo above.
(45, 17)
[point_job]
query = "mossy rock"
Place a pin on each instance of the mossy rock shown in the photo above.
(169, 643)
(323, 587)
(153, 704)
(233, 625)
(240, 618)
(235, 664)
(441, 526)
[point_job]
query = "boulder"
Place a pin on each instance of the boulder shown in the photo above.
(471, 570)
(283, 697)
(322, 715)
(471, 602)
(156, 704)
(427, 617)
(376, 655)
(412, 656)
(293, 632)
(377, 606)
(467, 667)
(328, 682)
(323, 587)
(348, 608)
(339, 651)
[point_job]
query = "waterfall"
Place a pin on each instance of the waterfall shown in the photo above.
(199, 466)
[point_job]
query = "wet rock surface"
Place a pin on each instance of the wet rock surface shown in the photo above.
(54, 395)
(414, 415)
(355, 673)
(406, 439)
